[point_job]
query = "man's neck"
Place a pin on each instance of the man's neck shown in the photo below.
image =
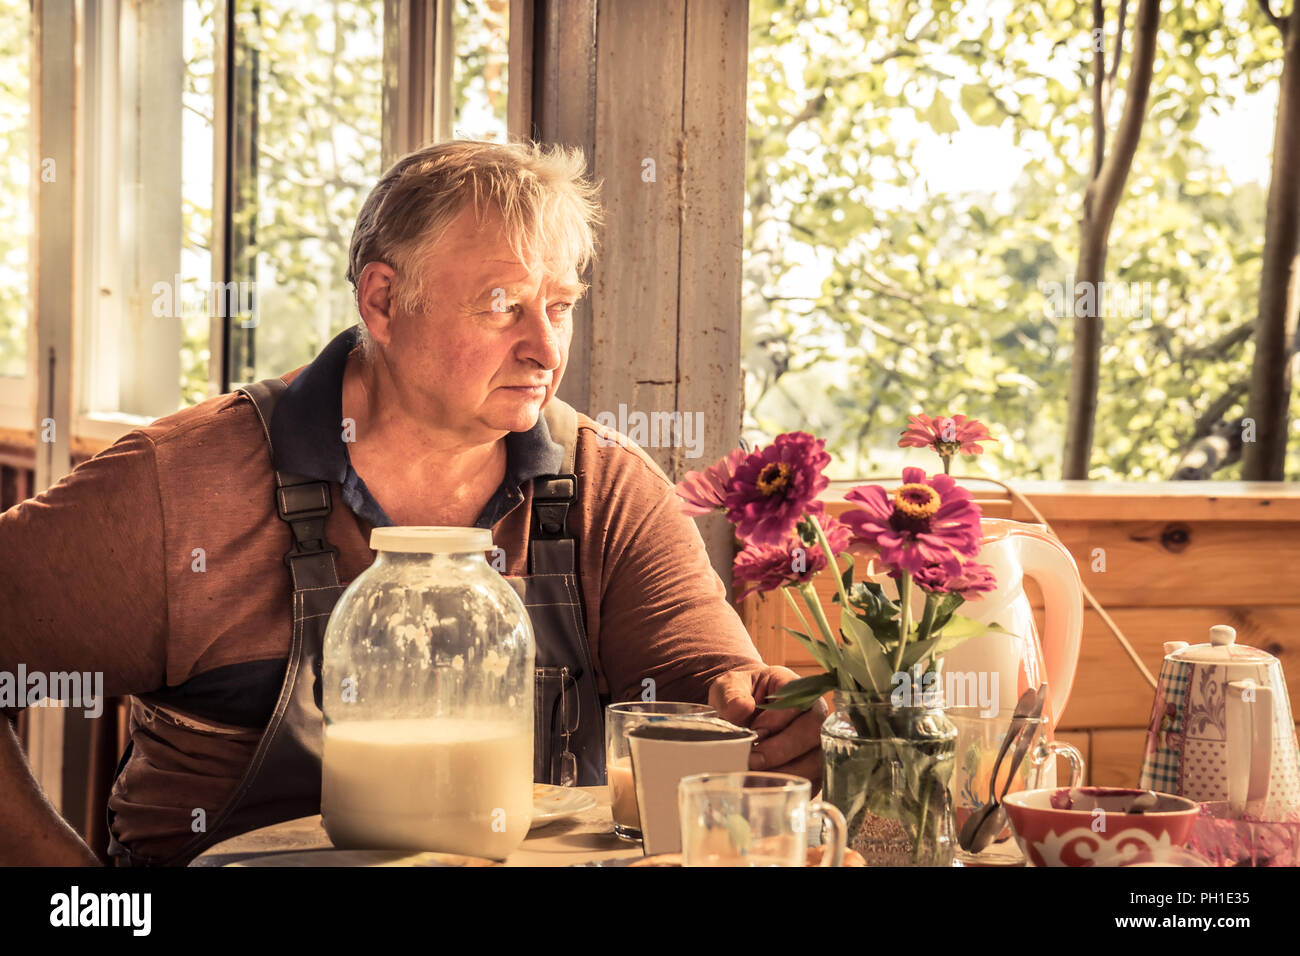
(391, 429)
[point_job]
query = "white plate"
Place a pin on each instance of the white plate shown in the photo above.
(556, 803)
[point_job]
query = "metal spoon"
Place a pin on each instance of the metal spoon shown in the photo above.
(998, 820)
(987, 822)
(1143, 802)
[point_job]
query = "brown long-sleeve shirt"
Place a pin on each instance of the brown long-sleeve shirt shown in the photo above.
(102, 573)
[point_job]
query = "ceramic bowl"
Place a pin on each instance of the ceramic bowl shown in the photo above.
(1091, 826)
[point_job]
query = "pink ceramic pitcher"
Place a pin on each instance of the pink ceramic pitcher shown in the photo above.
(1021, 659)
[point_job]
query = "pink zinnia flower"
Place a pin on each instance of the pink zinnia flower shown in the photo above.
(947, 436)
(773, 488)
(766, 567)
(971, 579)
(704, 492)
(926, 521)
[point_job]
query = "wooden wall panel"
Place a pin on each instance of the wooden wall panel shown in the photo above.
(634, 341)
(1116, 757)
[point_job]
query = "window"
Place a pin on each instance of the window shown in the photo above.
(915, 178)
(16, 167)
(306, 126)
(223, 151)
(479, 71)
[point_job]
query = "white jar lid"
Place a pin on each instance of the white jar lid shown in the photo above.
(431, 540)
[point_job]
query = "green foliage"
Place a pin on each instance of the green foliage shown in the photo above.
(15, 181)
(319, 113)
(869, 296)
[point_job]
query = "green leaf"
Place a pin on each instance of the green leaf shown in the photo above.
(815, 647)
(979, 103)
(863, 648)
(802, 692)
(939, 115)
(961, 629)
(917, 650)
(847, 577)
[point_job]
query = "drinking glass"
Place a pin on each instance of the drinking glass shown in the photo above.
(979, 738)
(753, 819)
(619, 719)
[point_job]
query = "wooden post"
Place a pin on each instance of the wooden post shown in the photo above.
(654, 94)
(54, 74)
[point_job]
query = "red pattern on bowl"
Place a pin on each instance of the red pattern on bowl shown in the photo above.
(1052, 836)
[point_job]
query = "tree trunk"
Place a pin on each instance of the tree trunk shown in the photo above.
(1264, 459)
(1109, 173)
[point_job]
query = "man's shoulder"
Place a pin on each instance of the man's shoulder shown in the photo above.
(608, 455)
(230, 416)
(224, 432)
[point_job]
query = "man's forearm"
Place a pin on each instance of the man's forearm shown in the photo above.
(32, 833)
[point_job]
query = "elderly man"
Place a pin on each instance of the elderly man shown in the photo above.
(196, 561)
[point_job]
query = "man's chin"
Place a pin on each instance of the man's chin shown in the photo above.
(522, 420)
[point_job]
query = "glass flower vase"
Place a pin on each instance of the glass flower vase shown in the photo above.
(886, 768)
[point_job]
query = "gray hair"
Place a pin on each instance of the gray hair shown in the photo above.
(541, 192)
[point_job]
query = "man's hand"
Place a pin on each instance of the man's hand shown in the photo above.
(789, 741)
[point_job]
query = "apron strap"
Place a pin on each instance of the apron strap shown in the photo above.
(304, 504)
(550, 546)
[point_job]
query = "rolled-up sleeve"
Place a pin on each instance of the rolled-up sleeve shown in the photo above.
(81, 575)
(664, 612)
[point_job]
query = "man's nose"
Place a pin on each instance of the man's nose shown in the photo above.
(541, 341)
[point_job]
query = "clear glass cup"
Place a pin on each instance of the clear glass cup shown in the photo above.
(619, 719)
(979, 738)
(753, 819)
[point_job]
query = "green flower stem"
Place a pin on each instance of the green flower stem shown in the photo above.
(831, 562)
(809, 596)
(927, 617)
(797, 610)
(846, 681)
(905, 620)
(919, 843)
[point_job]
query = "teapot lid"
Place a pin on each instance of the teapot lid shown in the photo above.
(1222, 649)
(430, 540)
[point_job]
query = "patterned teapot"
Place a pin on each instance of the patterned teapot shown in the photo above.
(1221, 729)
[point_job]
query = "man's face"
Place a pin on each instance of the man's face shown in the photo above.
(491, 344)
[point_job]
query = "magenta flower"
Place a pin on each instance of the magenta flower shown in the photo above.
(773, 488)
(766, 567)
(945, 435)
(704, 492)
(926, 521)
(970, 581)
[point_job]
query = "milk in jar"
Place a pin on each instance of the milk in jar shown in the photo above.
(448, 784)
(427, 690)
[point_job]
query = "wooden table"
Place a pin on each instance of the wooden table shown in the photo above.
(582, 838)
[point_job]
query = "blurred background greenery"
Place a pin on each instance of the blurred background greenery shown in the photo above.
(916, 175)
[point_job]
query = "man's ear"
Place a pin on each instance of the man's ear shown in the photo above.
(374, 300)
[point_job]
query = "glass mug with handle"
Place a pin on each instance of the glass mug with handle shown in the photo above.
(979, 738)
(753, 819)
(619, 719)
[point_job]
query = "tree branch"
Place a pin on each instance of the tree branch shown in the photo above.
(1220, 345)
(1098, 88)
(1115, 168)
(1218, 408)
(1119, 54)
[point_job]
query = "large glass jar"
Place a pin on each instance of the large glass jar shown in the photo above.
(886, 768)
(428, 700)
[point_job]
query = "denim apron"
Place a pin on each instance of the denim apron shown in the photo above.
(283, 780)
